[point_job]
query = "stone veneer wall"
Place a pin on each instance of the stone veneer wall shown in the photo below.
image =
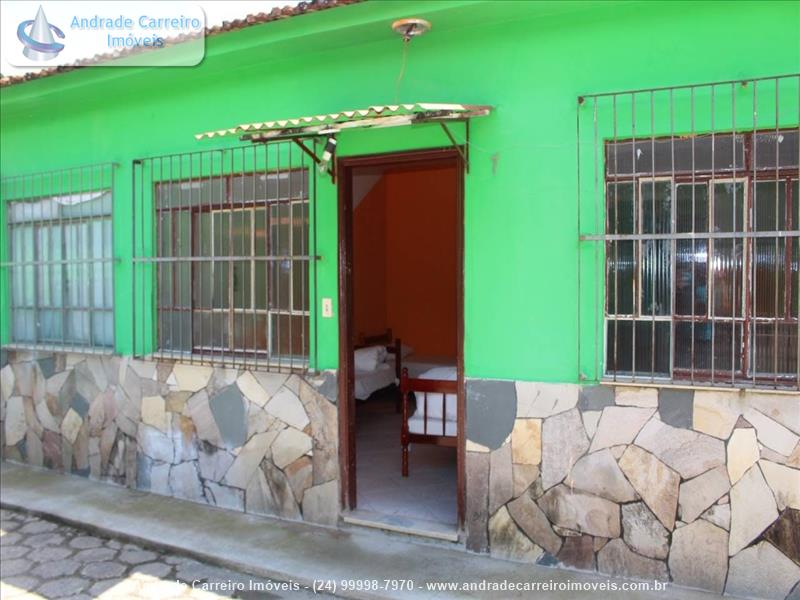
(698, 487)
(251, 441)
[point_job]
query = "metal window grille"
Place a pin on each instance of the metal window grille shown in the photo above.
(688, 217)
(60, 258)
(221, 248)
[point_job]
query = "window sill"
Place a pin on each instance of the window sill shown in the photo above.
(737, 387)
(240, 362)
(63, 349)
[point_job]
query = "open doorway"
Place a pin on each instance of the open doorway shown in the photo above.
(401, 338)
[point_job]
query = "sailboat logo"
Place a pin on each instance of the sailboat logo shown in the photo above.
(37, 37)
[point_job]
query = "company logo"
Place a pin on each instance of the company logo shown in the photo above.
(37, 37)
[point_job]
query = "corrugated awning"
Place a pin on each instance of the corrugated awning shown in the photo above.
(373, 116)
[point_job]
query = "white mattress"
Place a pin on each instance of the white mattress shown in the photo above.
(435, 405)
(418, 365)
(416, 424)
(367, 382)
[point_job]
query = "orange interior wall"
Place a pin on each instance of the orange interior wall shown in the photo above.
(418, 256)
(369, 263)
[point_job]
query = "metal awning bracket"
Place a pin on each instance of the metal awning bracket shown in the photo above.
(463, 150)
(299, 141)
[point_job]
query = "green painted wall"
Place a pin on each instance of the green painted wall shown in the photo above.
(531, 60)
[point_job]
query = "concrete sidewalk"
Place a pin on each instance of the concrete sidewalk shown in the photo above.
(286, 550)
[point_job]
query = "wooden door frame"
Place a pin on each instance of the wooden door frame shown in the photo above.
(346, 408)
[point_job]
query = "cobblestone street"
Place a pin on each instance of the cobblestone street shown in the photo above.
(43, 559)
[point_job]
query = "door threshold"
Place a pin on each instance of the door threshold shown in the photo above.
(402, 524)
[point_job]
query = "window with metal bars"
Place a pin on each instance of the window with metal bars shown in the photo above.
(702, 257)
(60, 259)
(229, 256)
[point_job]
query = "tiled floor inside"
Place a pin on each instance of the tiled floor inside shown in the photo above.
(428, 493)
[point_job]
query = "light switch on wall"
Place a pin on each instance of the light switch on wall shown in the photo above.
(327, 308)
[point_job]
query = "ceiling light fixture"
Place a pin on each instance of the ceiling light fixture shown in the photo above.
(411, 28)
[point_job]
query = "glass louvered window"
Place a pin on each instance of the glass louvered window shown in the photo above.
(702, 257)
(60, 261)
(234, 276)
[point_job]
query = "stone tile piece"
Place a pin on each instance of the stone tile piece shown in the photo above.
(564, 441)
(656, 483)
(33, 449)
(698, 556)
(581, 512)
(778, 407)
(159, 480)
(687, 452)
(474, 447)
(784, 534)
(719, 515)
(191, 378)
(784, 483)
(524, 476)
(271, 382)
(258, 497)
(676, 407)
(300, 476)
(578, 553)
(771, 433)
(290, 445)
(491, 411)
(46, 417)
(541, 400)
(595, 397)
(591, 418)
(184, 438)
(224, 496)
(155, 444)
(7, 381)
(599, 474)
(743, 452)
(285, 503)
(154, 413)
(619, 425)
(184, 481)
(753, 509)
(506, 541)
(213, 462)
(228, 408)
(321, 504)
(252, 390)
(643, 397)
(250, 456)
(71, 425)
(761, 571)
(286, 406)
(617, 559)
(643, 532)
(15, 426)
(526, 442)
(697, 494)
(198, 409)
(176, 401)
(532, 520)
(143, 369)
(716, 412)
(477, 509)
(501, 479)
(793, 460)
